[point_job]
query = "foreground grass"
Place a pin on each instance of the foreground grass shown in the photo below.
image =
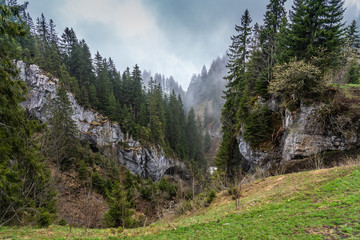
(350, 85)
(321, 204)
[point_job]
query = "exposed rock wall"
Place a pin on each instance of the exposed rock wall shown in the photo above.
(149, 162)
(301, 137)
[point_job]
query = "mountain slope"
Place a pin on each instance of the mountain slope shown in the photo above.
(147, 161)
(319, 204)
(309, 205)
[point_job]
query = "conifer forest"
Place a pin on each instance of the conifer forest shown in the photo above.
(91, 151)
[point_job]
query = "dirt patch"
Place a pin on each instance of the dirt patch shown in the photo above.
(329, 233)
(76, 204)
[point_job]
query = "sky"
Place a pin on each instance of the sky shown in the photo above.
(172, 37)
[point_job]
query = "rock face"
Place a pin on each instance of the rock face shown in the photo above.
(148, 162)
(301, 136)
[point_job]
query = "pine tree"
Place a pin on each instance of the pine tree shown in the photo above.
(191, 134)
(352, 39)
(315, 31)
(119, 213)
(54, 53)
(69, 46)
(352, 54)
(235, 94)
(207, 142)
(181, 146)
(157, 122)
(42, 30)
(199, 158)
(137, 94)
(333, 31)
(238, 51)
(273, 20)
(172, 120)
(25, 182)
(258, 68)
(61, 138)
(85, 75)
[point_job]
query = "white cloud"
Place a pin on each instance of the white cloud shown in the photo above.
(138, 38)
(129, 17)
(132, 35)
(353, 3)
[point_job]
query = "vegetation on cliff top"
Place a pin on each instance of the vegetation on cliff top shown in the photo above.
(293, 58)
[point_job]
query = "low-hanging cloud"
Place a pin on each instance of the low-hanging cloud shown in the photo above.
(133, 35)
(129, 17)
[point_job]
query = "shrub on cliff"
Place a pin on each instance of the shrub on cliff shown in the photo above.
(296, 79)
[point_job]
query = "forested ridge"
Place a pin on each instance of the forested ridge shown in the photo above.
(294, 58)
(145, 112)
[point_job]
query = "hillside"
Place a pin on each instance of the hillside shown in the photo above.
(318, 204)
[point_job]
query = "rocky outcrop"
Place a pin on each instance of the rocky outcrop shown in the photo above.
(302, 135)
(148, 162)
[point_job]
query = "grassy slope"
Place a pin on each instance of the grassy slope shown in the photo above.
(320, 204)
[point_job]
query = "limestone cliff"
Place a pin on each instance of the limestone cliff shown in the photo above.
(148, 162)
(308, 130)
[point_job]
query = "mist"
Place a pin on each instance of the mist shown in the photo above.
(206, 89)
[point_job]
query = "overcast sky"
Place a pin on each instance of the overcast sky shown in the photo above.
(172, 37)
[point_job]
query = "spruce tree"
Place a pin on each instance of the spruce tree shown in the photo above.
(42, 30)
(352, 39)
(137, 94)
(25, 189)
(62, 135)
(207, 142)
(315, 31)
(273, 20)
(235, 94)
(54, 58)
(191, 134)
(156, 111)
(238, 51)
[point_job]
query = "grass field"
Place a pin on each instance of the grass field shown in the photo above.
(350, 86)
(319, 204)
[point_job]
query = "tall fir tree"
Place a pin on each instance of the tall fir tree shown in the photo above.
(352, 40)
(273, 20)
(156, 112)
(235, 94)
(61, 140)
(315, 31)
(25, 189)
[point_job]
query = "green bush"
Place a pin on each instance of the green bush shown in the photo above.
(172, 191)
(353, 72)
(170, 188)
(210, 197)
(163, 185)
(45, 219)
(98, 183)
(62, 222)
(298, 78)
(83, 171)
(146, 191)
(120, 212)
